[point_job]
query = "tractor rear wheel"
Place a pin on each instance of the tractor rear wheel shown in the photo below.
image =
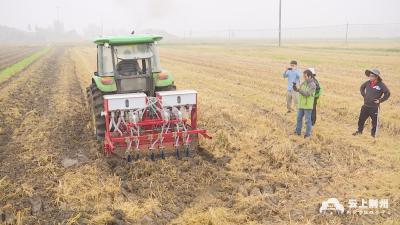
(95, 103)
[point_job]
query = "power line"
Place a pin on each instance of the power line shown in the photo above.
(293, 28)
(342, 31)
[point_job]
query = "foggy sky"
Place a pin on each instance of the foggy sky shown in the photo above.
(177, 16)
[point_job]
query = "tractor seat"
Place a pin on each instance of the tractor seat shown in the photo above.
(128, 67)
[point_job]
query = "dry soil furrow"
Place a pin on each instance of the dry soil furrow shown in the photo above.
(12, 50)
(48, 127)
(14, 56)
(25, 101)
(25, 93)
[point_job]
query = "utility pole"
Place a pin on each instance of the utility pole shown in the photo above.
(347, 32)
(280, 21)
(102, 26)
(58, 13)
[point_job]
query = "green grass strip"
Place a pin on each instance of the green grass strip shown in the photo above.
(20, 65)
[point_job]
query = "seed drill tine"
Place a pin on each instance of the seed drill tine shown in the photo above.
(176, 145)
(187, 150)
(177, 152)
(186, 143)
(128, 151)
(161, 146)
(162, 154)
(151, 148)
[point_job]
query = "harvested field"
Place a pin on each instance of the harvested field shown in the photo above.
(253, 171)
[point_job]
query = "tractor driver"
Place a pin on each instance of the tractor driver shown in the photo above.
(128, 66)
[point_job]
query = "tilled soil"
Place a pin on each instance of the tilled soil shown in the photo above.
(53, 172)
(43, 122)
(11, 55)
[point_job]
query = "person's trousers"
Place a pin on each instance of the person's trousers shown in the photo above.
(364, 114)
(307, 114)
(314, 112)
(291, 96)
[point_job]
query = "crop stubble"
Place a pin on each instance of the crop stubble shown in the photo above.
(253, 171)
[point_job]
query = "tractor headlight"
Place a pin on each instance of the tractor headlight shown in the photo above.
(163, 75)
(107, 80)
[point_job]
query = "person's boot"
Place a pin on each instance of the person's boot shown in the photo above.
(357, 133)
(307, 136)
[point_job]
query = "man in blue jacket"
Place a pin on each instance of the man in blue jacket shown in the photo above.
(293, 75)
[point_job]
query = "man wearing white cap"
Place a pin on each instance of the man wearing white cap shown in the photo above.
(318, 93)
(374, 92)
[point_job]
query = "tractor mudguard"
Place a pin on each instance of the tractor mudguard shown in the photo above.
(104, 87)
(163, 83)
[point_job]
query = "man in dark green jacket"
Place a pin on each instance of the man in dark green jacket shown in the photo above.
(374, 93)
(306, 102)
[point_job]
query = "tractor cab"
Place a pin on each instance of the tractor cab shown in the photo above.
(130, 64)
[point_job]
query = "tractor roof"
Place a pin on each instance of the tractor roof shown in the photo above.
(128, 39)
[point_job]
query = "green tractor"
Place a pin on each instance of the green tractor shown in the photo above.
(125, 64)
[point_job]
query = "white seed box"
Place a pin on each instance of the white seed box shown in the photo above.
(126, 101)
(177, 98)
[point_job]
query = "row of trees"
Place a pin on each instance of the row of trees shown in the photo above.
(54, 33)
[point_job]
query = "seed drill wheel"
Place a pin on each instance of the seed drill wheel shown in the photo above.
(95, 100)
